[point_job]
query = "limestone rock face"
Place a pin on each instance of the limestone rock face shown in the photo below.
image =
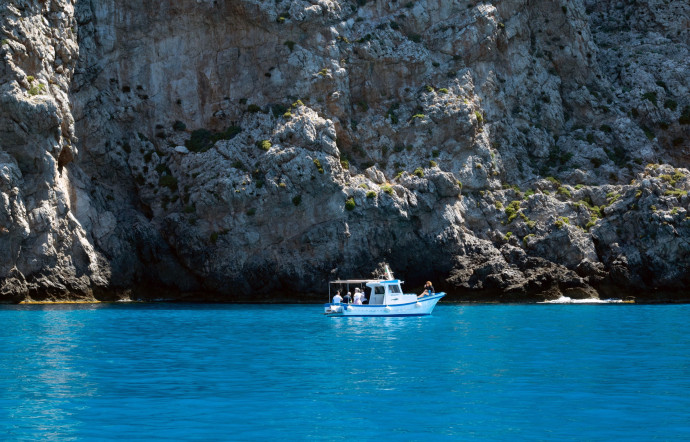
(45, 253)
(246, 149)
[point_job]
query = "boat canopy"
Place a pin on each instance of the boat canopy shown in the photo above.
(364, 281)
(351, 281)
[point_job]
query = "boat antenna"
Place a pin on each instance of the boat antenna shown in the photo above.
(388, 273)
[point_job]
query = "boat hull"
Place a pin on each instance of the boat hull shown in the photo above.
(422, 307)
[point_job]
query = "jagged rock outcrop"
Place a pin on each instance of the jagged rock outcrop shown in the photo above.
(250, 150)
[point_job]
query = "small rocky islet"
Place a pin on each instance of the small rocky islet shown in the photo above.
(252, 150)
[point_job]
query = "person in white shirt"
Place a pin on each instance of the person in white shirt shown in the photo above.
(337, 299)
(358, 297)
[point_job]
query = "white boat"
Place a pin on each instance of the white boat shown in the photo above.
(385, 299)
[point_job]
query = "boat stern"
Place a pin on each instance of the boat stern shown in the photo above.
(333, 309)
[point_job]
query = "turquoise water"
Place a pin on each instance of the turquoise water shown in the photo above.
(231, 372)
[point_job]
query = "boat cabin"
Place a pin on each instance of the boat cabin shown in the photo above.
(389, 293)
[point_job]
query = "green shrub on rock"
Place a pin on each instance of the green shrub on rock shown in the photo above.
(264, 145)
(512, 210)
(685, 116)
(612, 197)
(37, 89)
(202, 140)
(562, 221)
(671, 104)
(563, 191)
(592, 221)
(648, 132)
(350, 204)
(526, 238)
(480, 117)
(227, 134)
(676, 192)
(317, 163)
(650, 96)
(168, 181)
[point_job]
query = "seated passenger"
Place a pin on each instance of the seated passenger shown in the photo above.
(428, 290)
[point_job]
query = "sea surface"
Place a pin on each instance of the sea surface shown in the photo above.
(269, 372)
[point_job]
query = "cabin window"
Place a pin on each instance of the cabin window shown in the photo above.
(394, 289)
(379, 290)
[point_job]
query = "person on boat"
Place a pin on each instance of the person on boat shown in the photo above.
(358, 297)
(348, 298)
(428, 289)
(337, 299)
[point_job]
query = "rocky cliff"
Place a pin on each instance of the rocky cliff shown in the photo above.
(246, 149)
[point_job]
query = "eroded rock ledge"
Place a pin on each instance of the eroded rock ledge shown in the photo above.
(252, 150)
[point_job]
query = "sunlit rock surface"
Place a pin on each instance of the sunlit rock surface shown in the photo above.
(253, 150)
